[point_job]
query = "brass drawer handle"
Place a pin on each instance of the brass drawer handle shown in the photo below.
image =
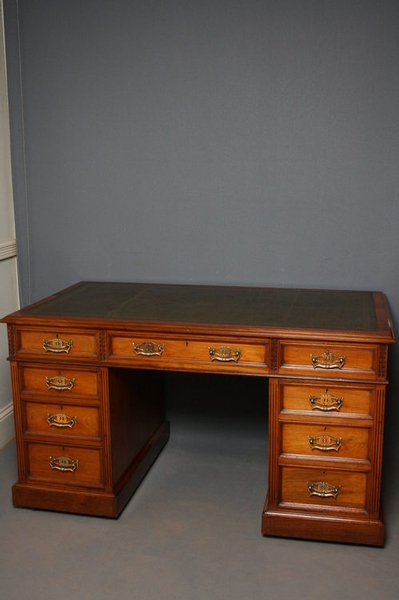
(63, 463)
(60, 383)
(149, 349)
(224, 354)
(326, 402)
(323, 489)
(325, 443)
(328, 360)
(57, 345)
(61, 420)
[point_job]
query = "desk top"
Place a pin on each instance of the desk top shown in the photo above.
(190, 306)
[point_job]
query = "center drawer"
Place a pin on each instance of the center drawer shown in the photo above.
(188, 354)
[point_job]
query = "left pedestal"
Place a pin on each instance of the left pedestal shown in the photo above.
(85, 436)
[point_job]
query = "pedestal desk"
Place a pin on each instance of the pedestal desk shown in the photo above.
(87, 364)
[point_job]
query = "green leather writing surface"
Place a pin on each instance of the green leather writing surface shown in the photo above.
(258, 307)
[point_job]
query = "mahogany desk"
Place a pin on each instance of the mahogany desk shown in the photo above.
(86, 367)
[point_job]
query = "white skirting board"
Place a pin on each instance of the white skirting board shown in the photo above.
(8, 250)
(6, 424)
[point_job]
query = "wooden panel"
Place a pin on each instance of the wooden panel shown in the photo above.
(352, 487)
(336, 400)
(57, 420)
(333, 442)
(344, 361)
(136, 412)
(220, 354)
(209, 350)
(88, 471)
(81, 344)
(44, 381)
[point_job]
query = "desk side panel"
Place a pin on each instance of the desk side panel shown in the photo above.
(136, 412)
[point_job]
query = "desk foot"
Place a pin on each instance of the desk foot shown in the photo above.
(350, 530)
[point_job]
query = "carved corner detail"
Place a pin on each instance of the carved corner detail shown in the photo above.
(11, 340)
(273, 355)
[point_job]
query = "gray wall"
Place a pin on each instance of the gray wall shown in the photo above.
(218, 141)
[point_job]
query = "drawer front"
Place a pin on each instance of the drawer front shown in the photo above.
(325, 441)
(57, 344)
(323, 488)
(64, 465)
(62, 419)
(65, 382)
(210, 354)
(347, 361)
(328, 401)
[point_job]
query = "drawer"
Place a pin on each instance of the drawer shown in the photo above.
(325, 441)
(64, 465)
(62, 419)
(332, 400)
(221, 352)
(58, 344)
(323, 488)
(347, 361)
(209, 354)
(63, 381)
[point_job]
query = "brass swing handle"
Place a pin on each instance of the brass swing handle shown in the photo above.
(323, 489)
(326, 402)
(224, 354)
(325, 443)
(328, 360)
(60, 383)
(63, 463)
(61, 420)
(148, 349)
(57, 345)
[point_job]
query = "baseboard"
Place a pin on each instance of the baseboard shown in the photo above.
(6, 424)
(8, 250)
